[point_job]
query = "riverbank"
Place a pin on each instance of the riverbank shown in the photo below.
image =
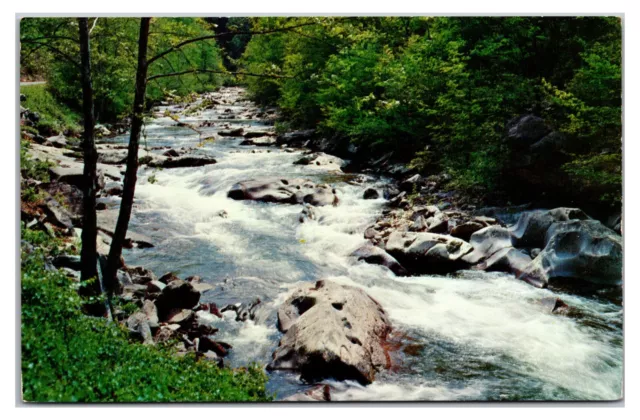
(257, 217)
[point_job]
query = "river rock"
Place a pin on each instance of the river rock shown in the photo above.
(178, 294)
(307, 214)
(259, 141)
(140, 275)
(296, 137)
(185, 161)
(151, 311)
(244, 311)
(532, 226)
(155, 286)
(138, 326)
(58, 141)
(425, 252)
(486, 242)
(509, 260)
(411, 184)
(237, 132)
(70, 196)
(321, 159)
(56, 213)
(254, 134)
(315, 394)
(67, 261)
(465, 230)
(375, 255)
(370, 194)
(332, 331)
(179, 316)
(438, 223)
(292, 191)
(580, 249)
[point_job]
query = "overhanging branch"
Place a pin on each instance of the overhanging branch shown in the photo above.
(229, 73)
(205, 37)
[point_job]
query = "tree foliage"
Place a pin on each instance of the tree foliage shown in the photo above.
(50, 46)
(439, 90)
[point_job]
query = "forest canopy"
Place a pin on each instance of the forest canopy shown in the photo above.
(438, 92)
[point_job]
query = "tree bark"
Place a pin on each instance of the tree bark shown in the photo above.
(126, 205)
(88, 255)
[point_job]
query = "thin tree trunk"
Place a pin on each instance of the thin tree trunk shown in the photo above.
(88, 255)
(126, 205)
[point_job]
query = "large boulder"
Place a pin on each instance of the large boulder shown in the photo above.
(532, 226)
(488, 241)
(332, 331)
(56, 213)
(466, 229)
(292, 191)
(375, 255)
(70, 196)
(296, 137)
(178, 294)
(509, 260)
(579, 249)
(237, 132)
(185, 161)
(425, 252)
(321, 159)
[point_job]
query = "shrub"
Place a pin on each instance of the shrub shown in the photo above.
(54, 116)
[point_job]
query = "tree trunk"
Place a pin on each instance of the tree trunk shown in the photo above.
(126, 205)
(88, 255)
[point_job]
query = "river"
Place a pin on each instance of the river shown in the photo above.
(474, 335)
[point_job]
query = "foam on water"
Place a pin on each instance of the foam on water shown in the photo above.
(488, 332)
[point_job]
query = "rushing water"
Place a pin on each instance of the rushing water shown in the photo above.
(474, 335)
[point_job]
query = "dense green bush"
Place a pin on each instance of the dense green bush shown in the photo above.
(70, 357)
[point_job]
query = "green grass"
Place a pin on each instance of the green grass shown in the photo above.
(54, 116)
(70, 357)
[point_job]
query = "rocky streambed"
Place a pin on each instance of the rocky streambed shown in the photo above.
(345, 285)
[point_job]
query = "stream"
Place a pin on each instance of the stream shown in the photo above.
(473, 335)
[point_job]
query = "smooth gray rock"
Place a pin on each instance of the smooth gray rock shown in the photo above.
(487, 241)
(332, 331)
(465, 230)
(259, 141)
(138, 326)
(375, 255)
(292, 191)
(580, 249)
(425, 252)
(531, 229)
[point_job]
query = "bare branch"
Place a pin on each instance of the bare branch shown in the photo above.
(179, 73)
(42, 38)
(93, 26)
(57, 51)
(205, 37)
